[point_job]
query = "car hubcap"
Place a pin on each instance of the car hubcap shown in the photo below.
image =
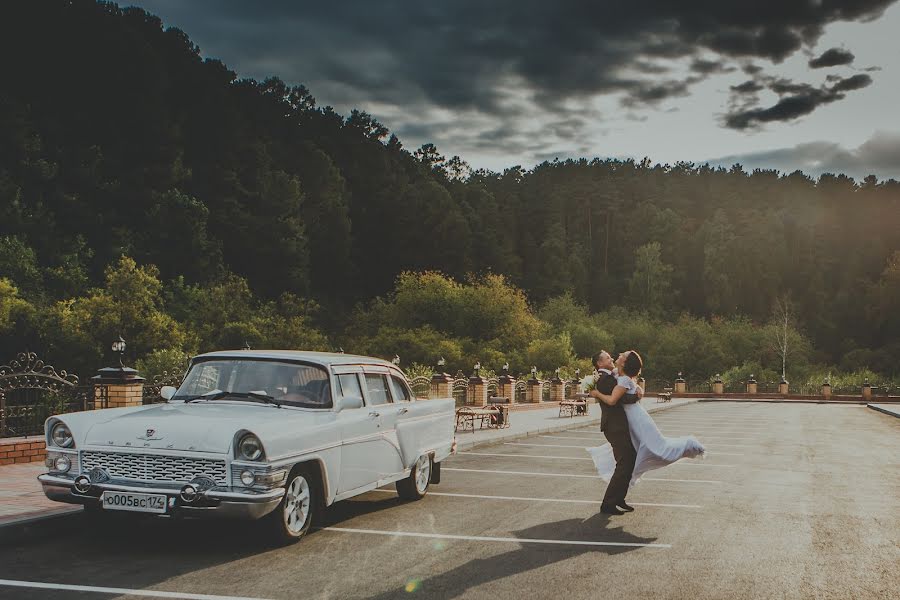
(423, 473)
(296, 505)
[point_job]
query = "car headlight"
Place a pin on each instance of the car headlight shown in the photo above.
(62, 464)
(250, 448)
(248, 478)
(62, 435)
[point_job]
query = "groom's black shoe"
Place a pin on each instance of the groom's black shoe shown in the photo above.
(622, 506)
(609, 509)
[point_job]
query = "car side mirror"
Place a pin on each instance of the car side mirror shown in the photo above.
(167, 391)
(346, 402)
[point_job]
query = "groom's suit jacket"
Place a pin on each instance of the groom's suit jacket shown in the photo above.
(612, 418)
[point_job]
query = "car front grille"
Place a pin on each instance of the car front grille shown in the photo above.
(153, 467)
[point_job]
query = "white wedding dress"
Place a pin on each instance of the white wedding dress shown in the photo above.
(654, 450)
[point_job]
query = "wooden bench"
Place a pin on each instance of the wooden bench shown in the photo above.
(665, 395)
(492, 417)
(574, 407)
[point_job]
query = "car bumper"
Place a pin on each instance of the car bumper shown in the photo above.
(219, 502)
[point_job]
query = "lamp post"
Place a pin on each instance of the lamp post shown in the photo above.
(118, 386)
(118, 347)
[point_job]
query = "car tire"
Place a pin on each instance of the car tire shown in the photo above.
(416, 485)
(299, 508)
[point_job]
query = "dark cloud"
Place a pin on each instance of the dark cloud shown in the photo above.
(710, 67)
(797, 100)
(832, 57)
(505, 57)
(748, 87)
(880, 156)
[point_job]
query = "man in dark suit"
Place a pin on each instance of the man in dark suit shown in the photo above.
(614, 425)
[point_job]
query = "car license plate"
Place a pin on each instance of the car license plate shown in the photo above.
(152, 503)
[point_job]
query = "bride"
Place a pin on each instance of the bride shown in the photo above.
(654, 450)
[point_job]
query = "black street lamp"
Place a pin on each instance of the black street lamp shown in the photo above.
(118, 347)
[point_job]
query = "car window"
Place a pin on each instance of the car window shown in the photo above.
(376, 387)
(350, 385)
(399, 390)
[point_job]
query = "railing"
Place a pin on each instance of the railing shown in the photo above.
(25, 410)
(152, 389)
(421, 386)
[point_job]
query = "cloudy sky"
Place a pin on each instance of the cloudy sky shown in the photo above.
(785, 84)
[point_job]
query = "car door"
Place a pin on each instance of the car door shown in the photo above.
(361, 440)
(422, 426)
(378, 396)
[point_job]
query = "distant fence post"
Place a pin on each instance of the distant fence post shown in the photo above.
(115, 387)
(718, 385)
(680, 384)
(826, 389)
(441, 383)
(478, 390)
(783, 387)
(867, 391)
(506, 386)
(534, 388)
(557, 388)
(751, 385)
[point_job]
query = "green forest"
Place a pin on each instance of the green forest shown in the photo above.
(148, 192)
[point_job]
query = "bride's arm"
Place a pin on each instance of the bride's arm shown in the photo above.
(609, 399)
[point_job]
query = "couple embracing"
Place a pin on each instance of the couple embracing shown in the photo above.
(635, 443)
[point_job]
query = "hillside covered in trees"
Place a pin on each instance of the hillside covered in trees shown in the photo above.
(148, 191)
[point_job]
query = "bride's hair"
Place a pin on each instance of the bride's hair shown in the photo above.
(633, 364)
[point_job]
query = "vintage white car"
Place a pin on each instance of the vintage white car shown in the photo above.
(272, 434)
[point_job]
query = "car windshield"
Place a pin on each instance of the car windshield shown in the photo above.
(257, 380)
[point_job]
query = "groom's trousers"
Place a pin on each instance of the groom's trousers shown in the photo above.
(625, 456)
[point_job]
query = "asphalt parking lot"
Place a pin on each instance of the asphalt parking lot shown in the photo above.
(793, 501)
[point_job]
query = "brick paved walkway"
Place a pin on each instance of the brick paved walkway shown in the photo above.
(21, 496)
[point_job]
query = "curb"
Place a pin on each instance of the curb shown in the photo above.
(887, 411)
(577, 422)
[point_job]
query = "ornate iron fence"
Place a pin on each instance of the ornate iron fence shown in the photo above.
(493, 385)
(421, 386)
(152, 388)
(461, 391)
(31, 391)
(520, 391)
(545, 391)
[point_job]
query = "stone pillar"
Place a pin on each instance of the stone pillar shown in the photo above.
(680, 385)
(533, 390)
(642, 382)
(826, 390)
(506, 387)
(718, 386)
(478, 391)
(557, 389)
(783, 387)
(867, 391)
(115, 387)
(441, 386)
(751, 385)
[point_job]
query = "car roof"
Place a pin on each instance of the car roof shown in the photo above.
(322, 358)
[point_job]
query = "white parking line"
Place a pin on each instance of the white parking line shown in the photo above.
(556, 437)
(571, 475)
(108, 590)
(684, 463)
(544, 445)
(482, 538)
(525, 456)
(554, 500)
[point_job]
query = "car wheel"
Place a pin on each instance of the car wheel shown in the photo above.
(299, 506)
(415, 486)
